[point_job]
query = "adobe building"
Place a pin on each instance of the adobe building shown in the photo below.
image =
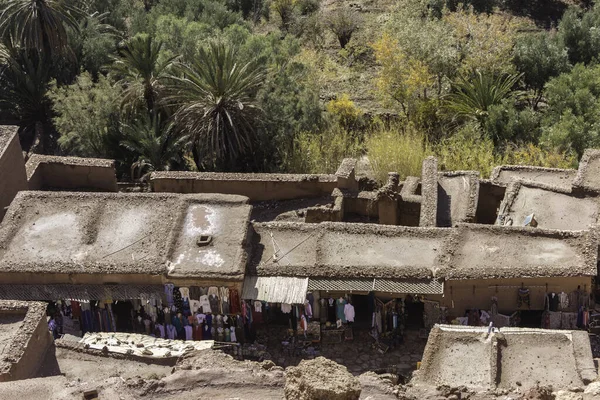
(406, 256)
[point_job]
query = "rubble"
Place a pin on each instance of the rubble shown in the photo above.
(320, 379)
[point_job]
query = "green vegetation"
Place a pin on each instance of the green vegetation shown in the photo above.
(297, 85)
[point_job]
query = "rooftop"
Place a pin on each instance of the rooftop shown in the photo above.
(149, 233)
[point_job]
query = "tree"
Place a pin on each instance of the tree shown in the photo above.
(39, 24)
(579, 34)
(215, 98)
(23, 87)
(539, 57)
(87, 116)
(142, 73)
(343, 23)
(472, 97)
(285, 9)
(155, 145)
(572, 119)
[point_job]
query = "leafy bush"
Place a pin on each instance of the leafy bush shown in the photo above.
(343, 23)
(345, 112)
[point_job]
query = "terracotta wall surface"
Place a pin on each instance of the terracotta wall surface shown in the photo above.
(12, 167)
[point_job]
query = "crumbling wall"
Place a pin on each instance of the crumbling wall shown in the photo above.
(503, 175)
(24, 353)
(588, 174)
(429, 192)
(13, 177)
(257, 187)
(488, 202)
(71, 173)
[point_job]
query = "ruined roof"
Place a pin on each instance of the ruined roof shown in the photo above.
(346, 250)
(504, 174)
(553, 207)
(125, 233)
(489, 252)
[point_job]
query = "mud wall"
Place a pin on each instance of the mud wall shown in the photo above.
(28, 348)
(13, 177)
(70, 173)
(467, 294)
(257, 187)
(488, 203)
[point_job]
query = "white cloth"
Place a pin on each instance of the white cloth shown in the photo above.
(213, 290)
(286, 308)
(257, 306)
(205, 304)
(200, 318)
(349, 312)
(188, 332)
(485, 317)
(194, 305)
(563, 300)
(185, 293)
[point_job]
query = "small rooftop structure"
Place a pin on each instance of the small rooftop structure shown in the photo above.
(96, 235)
(588, 174)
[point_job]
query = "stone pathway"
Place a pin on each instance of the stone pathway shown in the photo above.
(357, 354)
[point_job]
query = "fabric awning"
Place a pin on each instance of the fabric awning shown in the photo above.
(399, 286)
(275, 289)
(79, 292)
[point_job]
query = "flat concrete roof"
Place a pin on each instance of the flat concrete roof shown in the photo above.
(489, 252)
(503, 175)
(238, 176)
(337, 249)
(125, 233)
(506, 358)
(553, 207)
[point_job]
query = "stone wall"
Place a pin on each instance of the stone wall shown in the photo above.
(12, 167)
(25, 350)
(71, 173)
(257, 187)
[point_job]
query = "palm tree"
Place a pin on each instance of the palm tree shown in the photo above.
(215, 98)
(23, 87)
(472, 98)
(39, 24)
(154, 144)
(142, 73)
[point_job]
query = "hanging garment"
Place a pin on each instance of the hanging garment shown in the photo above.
(194, 306)
(234, 301)
(160, 331)
(494, 306)
(185, 293)
(207, 334)
(553, 302)
(349, 312)
(258, 306)
(189, 332)
(340, 304)
(523, 297)
(213, 291)
(198, 328)
(563, 300)
(215, 304)
(303, 324)
(171, 332)
(233, 336)
(205, 304)
(286, 308)
(169, 293)
(323, 310)
(194, 293)
(224, 295)
(331, 310)
(308, 309)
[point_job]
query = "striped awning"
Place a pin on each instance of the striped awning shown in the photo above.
(399, 286)
(275, 289)
(79, 292)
